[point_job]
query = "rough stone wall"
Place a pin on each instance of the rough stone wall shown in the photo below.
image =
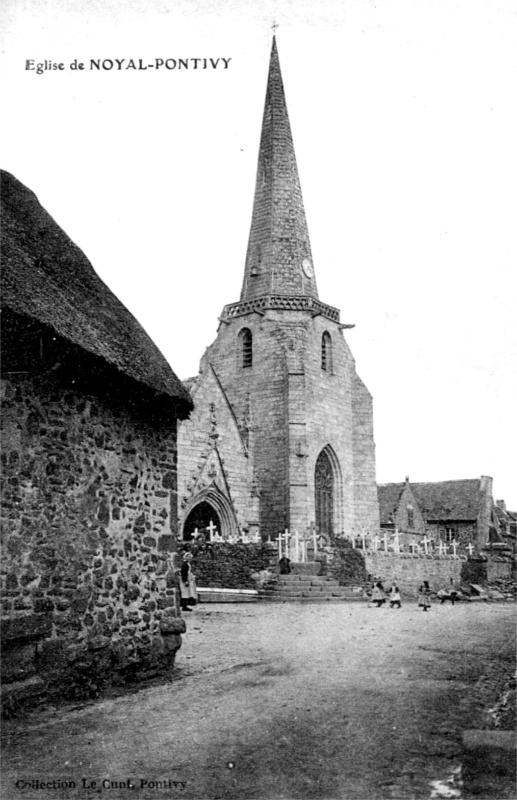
(230, 566)
(345, 563)
(499, 569)
(408, 571)
(89, 525)
(466, 533)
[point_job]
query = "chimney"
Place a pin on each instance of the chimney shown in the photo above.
(501, 504)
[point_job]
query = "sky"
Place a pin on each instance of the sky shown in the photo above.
(404, 122)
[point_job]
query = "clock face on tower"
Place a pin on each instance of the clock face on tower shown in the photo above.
(307, 267)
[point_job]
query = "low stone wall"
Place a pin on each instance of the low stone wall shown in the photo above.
(345, 564)
(229, 566)
(408, 571)
(499, 569)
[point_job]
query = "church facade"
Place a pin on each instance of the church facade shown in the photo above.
(281, 435)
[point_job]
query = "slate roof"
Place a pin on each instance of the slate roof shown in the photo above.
(47, 278)
(449, 500)
(444, 500)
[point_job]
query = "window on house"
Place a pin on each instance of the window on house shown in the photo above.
(451, 533)
(326, 352)
(410, 517)
(246, 340)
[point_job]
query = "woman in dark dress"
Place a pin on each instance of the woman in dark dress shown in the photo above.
(188, 590)
(285, 565)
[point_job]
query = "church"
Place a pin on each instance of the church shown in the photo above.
(281, 436)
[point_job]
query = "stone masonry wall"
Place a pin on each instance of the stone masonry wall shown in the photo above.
(211, 453)
(408, 571)
(465, 532)
(297, 409)
(401, 520)
(499, 569)
(329, 420)
(366, 503)
(230, 566)
(89, 515)
(265, 384)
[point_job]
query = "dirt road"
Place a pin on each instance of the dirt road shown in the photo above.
(280, 702)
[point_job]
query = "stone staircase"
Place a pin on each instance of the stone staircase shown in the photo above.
(299, 588)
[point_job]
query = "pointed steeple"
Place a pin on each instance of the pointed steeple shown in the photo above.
(279, 258)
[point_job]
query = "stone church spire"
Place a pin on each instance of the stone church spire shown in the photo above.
(279, 258)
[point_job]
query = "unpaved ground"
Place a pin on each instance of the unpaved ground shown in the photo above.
(279, 702)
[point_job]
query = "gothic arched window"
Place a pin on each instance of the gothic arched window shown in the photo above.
(410, 516)
(324, 494)
(326, 352)
(246, 347)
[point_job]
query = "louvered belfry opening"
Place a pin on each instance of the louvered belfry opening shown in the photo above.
(326, 352)
(247, 347)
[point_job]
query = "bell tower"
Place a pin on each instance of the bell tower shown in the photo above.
(281, 352)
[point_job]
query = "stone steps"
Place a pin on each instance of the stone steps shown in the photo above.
(279, 598)
(309, 588)
(306, 582)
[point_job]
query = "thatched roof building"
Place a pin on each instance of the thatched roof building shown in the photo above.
(49, 284)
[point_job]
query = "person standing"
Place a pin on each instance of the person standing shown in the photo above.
(394, 594)
(285, 565)
(378, 594)
(424, 596)
(188, 589)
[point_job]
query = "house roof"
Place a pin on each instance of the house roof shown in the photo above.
(506, 520)
(449, 500)
(47, 278)
(444, 500)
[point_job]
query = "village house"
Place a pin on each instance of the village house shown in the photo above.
(89, 472)
(459, 512)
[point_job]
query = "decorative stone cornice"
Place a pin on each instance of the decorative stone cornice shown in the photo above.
(260, 305)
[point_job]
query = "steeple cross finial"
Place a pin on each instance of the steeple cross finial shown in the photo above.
(274, 26)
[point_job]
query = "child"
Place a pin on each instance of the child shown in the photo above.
(378, 595)
(424, 600)
(394, 597)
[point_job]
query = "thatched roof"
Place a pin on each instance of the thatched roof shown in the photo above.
(47, 278)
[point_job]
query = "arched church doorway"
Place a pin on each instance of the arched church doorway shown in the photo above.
(209, 504)
(202, 517)
(324, 495)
